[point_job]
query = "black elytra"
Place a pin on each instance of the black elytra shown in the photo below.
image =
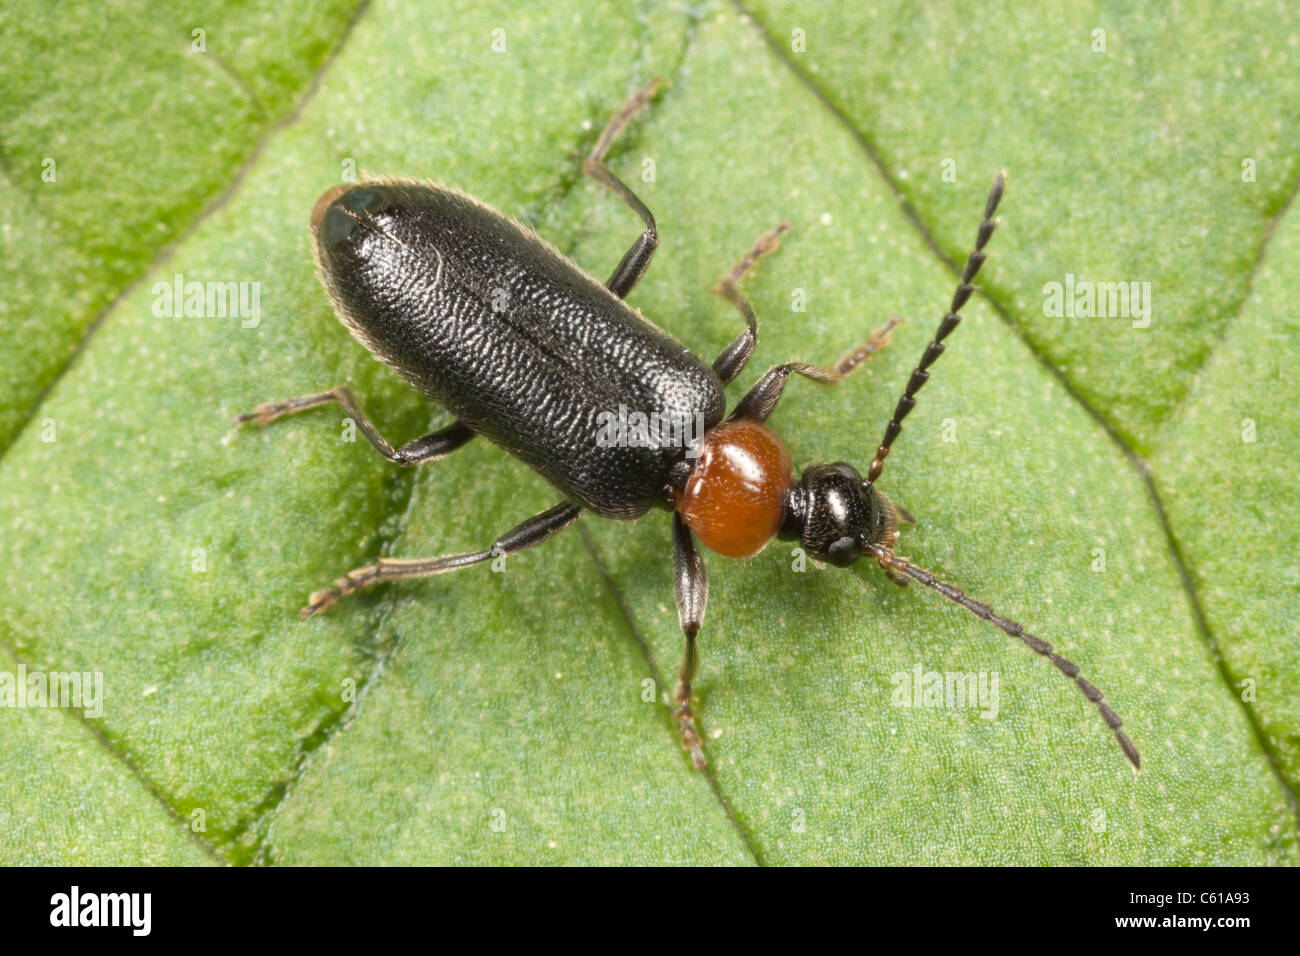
(525, 348)
(498, 327)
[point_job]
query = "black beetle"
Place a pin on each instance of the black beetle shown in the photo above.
(528, 350)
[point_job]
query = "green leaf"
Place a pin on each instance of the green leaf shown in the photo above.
(1098, 481)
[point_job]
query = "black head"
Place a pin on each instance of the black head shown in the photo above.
(835, 514)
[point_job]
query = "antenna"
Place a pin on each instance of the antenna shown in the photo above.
(890, 561)
(949, 322)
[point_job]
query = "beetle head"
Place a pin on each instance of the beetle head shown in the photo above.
(836, 515)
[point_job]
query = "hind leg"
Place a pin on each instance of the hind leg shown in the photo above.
(637, 259)
(431, 447)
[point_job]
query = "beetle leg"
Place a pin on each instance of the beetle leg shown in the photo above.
(637, 259)
(898, 577)
(734, 357)
(691, 589)
(760, 400)
(534, 531)
(431, 447)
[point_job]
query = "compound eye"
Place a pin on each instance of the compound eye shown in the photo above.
(848, 471)
(843, 551)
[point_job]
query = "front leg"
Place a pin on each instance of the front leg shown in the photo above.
(691, 589)
(760, 401)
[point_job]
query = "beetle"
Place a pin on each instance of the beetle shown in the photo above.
(525, 348)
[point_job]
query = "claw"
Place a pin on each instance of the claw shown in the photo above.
(263, 414)
(690, 735)
(318, 601)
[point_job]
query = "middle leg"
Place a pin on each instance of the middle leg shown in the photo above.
(533, 531)
(735, 356)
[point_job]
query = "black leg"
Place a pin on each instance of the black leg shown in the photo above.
(532, 532)
(760, 400)
(431, 447)
(637, 259)
(691, 589)
(734, 356)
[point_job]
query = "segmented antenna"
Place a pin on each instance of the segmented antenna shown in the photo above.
(950, 321)
(1070, 669)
